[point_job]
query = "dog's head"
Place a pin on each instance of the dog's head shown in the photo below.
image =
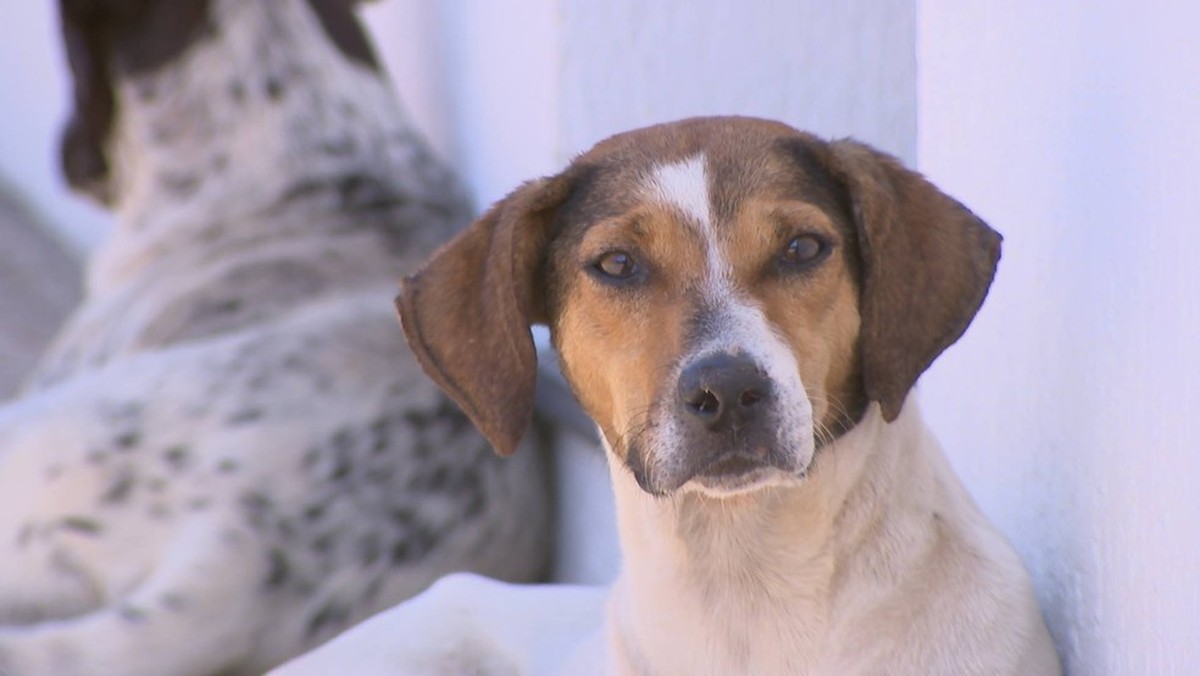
(106, 40)
(726, 295)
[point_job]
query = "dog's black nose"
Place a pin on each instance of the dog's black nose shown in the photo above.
(723, 391)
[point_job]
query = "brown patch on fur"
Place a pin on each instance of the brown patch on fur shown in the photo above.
(108, 39)
(928, 263)
(467, 312)
(343, 29)
(616, 344)
(105, 39)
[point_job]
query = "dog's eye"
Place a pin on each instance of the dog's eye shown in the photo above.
(616, 265)
(803, 251)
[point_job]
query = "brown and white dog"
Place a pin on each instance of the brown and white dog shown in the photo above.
(743, 309)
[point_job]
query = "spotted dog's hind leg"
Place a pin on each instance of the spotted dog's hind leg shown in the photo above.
(194, 615)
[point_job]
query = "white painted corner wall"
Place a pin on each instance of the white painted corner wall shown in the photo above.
(1070, 408)
(511, 91)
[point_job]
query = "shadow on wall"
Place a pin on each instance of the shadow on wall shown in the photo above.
(40, 279)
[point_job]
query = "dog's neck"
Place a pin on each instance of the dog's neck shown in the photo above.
(259, 124)
(756, 580)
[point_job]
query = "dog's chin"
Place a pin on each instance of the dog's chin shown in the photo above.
(738, 476)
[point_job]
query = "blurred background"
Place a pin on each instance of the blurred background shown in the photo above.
(1069, 408)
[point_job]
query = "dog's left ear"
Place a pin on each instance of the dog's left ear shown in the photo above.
(468, 311)
(927, 265)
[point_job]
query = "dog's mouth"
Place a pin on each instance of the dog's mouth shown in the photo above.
(723, 473)
(740, 472)
(732, 466)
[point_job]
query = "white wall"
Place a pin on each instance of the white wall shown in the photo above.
(1073, 128)
(510, 91)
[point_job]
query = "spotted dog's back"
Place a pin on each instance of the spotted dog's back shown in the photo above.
(229, 455)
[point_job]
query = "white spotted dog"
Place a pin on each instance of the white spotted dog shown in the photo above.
(229, 455)
(743, 309)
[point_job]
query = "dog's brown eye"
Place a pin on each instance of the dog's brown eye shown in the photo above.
(803, 250)
(616, 265)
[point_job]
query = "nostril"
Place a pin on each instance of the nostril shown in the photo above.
(749, 398)
(703, 402)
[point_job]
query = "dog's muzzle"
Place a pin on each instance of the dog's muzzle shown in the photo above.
(725, 429)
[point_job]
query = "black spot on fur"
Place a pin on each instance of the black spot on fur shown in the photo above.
(199, 503)
(179, 185)
(341, 468)
(286, 529)
(361, 191)
(302, 189)
(339, 148)
(278, 569)
(177, 457)
(257, 507)
(343, 439)
(371, 592)
(132, 614)
(369, 549)
(402, 516)
(416, 543)
(227, 466)
(245, 415)
(325, 542)
(53, 472)
(81, 524)
(379, 435)
(382, 475)
(119, 488)
(174, 601)
(311, 457)
(315, 511)
(226, 305)
(237, 91)
(128, 441)
(330, 615)
(274, 88)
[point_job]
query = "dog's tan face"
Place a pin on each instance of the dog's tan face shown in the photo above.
(726, 295)
(708, 327)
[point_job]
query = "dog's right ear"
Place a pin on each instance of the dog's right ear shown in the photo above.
(468, 310)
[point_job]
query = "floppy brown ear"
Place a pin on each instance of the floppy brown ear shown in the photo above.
(927, 265)
(467, 312)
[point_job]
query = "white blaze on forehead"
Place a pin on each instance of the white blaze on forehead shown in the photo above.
(684, 186)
